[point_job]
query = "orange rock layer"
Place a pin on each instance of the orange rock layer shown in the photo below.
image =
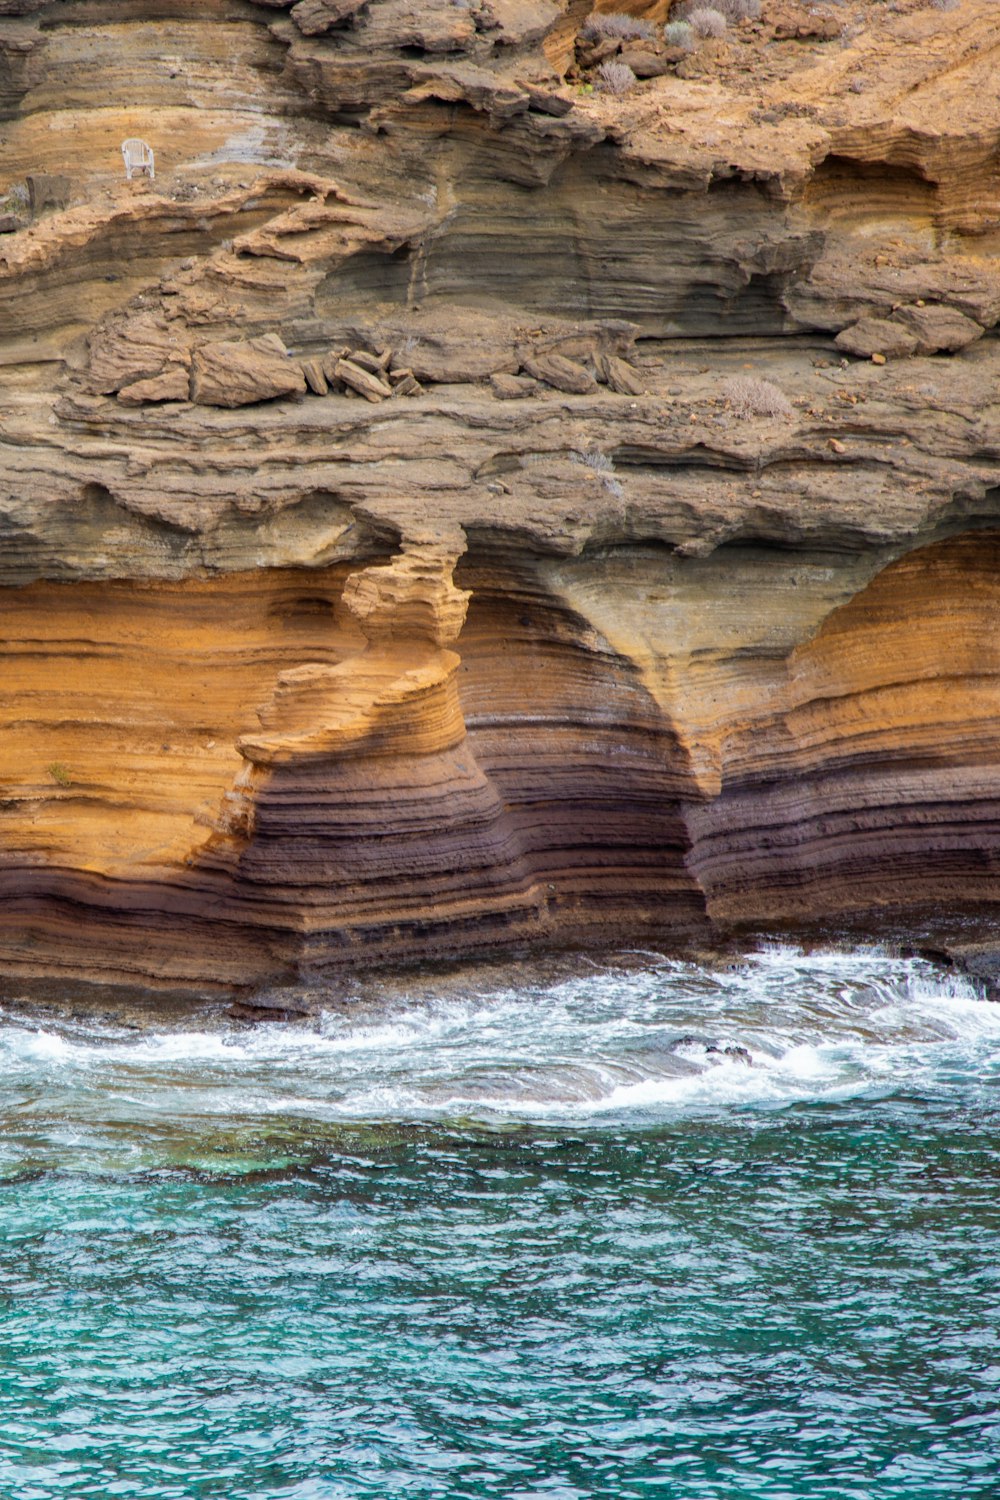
(397, 800)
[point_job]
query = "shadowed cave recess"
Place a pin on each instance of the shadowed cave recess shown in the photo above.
(540, 630)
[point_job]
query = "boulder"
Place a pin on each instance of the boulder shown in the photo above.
(645, 63)
(316, 380)
(241, 372)
(979, 961)
(619, 375)
(877, 336)
(590, 54)
(363, 381)
(270, 342)
(133, 347)
(545, 101)
(512, 387)
(171, 385)
(938, 328)
(329, 363)
(375, 364)
(408, 386)
(799, 23)
(271, 1005)
(562, 373)
(48, 190)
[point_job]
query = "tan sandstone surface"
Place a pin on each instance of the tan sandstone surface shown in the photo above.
(392, 562)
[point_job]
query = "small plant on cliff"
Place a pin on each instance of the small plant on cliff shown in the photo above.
(748, 397)
(59, 774)
(707, 22)
(678, 34)
(596, 460)
(17, 199)
(600, 464)
(616, 24)
(615, 77)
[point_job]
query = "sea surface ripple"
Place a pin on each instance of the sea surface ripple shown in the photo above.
(656, 1229)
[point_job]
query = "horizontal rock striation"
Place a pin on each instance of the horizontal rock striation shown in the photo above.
(869, 777)
(453, 505)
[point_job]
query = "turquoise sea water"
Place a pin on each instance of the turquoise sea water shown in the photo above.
(538, 1242)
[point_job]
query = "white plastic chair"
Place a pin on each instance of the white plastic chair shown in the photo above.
(138, 158)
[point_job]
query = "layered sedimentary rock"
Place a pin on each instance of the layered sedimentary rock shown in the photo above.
(363, 792)
(867, 775)
(399, 555)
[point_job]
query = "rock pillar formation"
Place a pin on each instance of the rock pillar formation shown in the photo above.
(369, 824)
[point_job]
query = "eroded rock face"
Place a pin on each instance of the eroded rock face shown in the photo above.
(558, 648)
(867, 778)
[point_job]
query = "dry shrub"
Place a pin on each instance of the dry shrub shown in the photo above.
(678, 34)
(604, 468)
(616, 24)
(707, 22)
(738, 10)
(749, 397)
(596, 460)
(729, 10)
(615, 77)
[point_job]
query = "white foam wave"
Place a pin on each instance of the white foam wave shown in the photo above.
(781, 1026)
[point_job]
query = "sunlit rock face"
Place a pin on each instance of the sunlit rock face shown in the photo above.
(868, 777)
(398, 555)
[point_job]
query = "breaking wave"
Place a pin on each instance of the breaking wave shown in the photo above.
(618, 1042)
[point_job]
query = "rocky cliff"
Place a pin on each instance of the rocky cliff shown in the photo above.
(452, 503)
